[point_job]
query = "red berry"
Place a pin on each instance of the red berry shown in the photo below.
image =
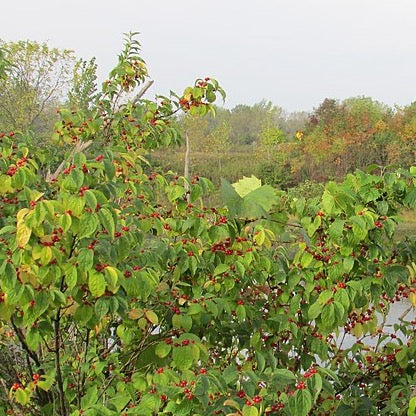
(241, 394)
(301, 385)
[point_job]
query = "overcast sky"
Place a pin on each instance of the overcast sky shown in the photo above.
(294, 52)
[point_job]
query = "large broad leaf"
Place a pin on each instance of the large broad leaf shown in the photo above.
(255, 203)
(182, 357)
(300, 404)
(250, 209)
(265, 196)
(231, 198)
(246, 185)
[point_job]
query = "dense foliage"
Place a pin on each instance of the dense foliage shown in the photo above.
(121, 292)
(284, 150)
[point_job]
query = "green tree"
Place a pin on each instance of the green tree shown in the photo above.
(246, 122)
(83, 91)
(38, 82)
(217, 144)
(4, 65)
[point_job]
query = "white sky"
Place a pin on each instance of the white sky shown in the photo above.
(294, 52)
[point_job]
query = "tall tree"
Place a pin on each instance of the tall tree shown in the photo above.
(39, 80)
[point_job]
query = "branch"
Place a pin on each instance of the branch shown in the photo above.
(29, 352)
(59, 378)
(79, 147)
(143, 91)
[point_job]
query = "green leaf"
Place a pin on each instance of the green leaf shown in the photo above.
(211, 97)
(328, 316)
(182, 357)
(194, 309)
(7, 229)
(306, 259)
(163, 349)
(22, 397)
(315, 385)
(83, 313)
(240, 311)
(65, 221)
(90, 397)
(5, 184)
(107, 221)
(78, 177)
(315, 310)
(88, 225)
(45, 255)
(402, 357)
(303, 402)
(118, 402)
(85, 259)
(345, 410)
(182, 321)
(149, 402)
(90, 199)
(220, 269)
(250, 411)
(96, 283)
(261, 362)
(212, 307)
(45, 384)
(109, 168)
(283, 377)
(328, 203)
(139, 382)
(175, 192)
(348, 264)
(230, 197)
(412, 407)
(265, 196)
(101, 307)
(111, 277)
(336, 229)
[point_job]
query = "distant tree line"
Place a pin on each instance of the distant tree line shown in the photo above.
(286, 149)
(283, 149)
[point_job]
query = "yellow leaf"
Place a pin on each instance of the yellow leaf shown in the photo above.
(151, 317)
(260, 237)
(23, 234)
(162, 287)
(232, 403)
(21, 214)
(357, 330)
(135, 313)
(412, 298)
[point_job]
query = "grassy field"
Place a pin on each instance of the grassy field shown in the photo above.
(406, 225)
